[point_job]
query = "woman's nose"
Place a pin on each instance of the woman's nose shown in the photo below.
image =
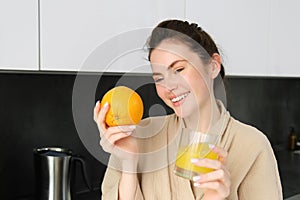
(171, 83)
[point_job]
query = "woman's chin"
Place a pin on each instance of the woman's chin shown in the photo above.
(180, 113)
(186, 112)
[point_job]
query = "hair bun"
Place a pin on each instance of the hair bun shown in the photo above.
(196, 27)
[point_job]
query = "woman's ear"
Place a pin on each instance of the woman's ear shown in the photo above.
(216, 65)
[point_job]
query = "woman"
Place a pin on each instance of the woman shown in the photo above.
(185, 64)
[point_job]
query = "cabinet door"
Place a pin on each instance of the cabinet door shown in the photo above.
(19, 35)
(285, 38)
(72, 29)
(241, 30)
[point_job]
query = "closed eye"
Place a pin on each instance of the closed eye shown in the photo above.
(179, 66)
(157, 79)
(179, 69)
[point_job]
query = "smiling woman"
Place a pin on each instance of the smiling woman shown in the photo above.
(185, 63)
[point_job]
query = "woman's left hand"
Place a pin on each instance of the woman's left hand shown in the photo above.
(216, 184)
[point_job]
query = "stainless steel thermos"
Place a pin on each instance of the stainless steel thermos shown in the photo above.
(52, 169)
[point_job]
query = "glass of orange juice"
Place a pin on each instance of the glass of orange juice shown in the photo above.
(194, 144)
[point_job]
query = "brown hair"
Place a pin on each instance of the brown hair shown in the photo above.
(190, 34)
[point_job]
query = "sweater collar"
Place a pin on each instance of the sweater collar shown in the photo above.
(220, 126)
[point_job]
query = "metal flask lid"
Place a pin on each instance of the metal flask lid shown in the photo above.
(53, 151)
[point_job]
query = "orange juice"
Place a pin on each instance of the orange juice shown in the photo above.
(185, 168)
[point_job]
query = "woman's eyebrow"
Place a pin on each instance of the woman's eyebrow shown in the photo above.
(156, 73)
(174, 63)
(169, 67)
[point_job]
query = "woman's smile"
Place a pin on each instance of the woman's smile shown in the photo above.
(178, 100)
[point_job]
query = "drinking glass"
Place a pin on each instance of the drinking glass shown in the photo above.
(194, 144)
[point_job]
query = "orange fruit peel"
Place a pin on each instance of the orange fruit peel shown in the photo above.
(125, 106)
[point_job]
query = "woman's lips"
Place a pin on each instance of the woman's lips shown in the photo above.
(177, 99)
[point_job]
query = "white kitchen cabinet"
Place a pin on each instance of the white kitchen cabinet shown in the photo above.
(71, 30)
(19, 35)
(241, 30)
(285, 38)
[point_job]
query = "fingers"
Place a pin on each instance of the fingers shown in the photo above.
(220, 175)
(123, 131)
(128, 128)
(109, 141)
(222, 154)
(113, 135)
(217, 180)
(99, 116)
(208, 163)
(109, 135)
(96, 110)
(116, 133)
(215, 190)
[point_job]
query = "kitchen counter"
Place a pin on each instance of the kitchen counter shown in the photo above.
(289, 168)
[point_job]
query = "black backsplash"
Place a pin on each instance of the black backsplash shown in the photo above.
(36, 111)
(270, 104)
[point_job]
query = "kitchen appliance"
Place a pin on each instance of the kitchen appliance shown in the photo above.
(53, 172)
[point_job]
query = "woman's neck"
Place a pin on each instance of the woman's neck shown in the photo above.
(205, 118)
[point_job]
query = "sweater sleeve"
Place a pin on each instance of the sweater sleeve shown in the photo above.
(110, 186)
(262, 180)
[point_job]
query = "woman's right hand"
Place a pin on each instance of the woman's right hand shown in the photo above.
(116, 140)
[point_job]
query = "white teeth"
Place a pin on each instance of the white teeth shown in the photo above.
(179, 97)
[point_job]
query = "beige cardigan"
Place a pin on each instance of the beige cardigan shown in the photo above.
(251, 162)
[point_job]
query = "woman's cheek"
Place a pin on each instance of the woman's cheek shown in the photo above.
(161, 92)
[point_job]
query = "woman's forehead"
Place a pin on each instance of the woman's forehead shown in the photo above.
(167, 52)
(170, 51)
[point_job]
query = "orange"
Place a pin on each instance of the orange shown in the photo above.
(126, 106)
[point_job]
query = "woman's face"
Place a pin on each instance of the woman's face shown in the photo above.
(182, 81)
